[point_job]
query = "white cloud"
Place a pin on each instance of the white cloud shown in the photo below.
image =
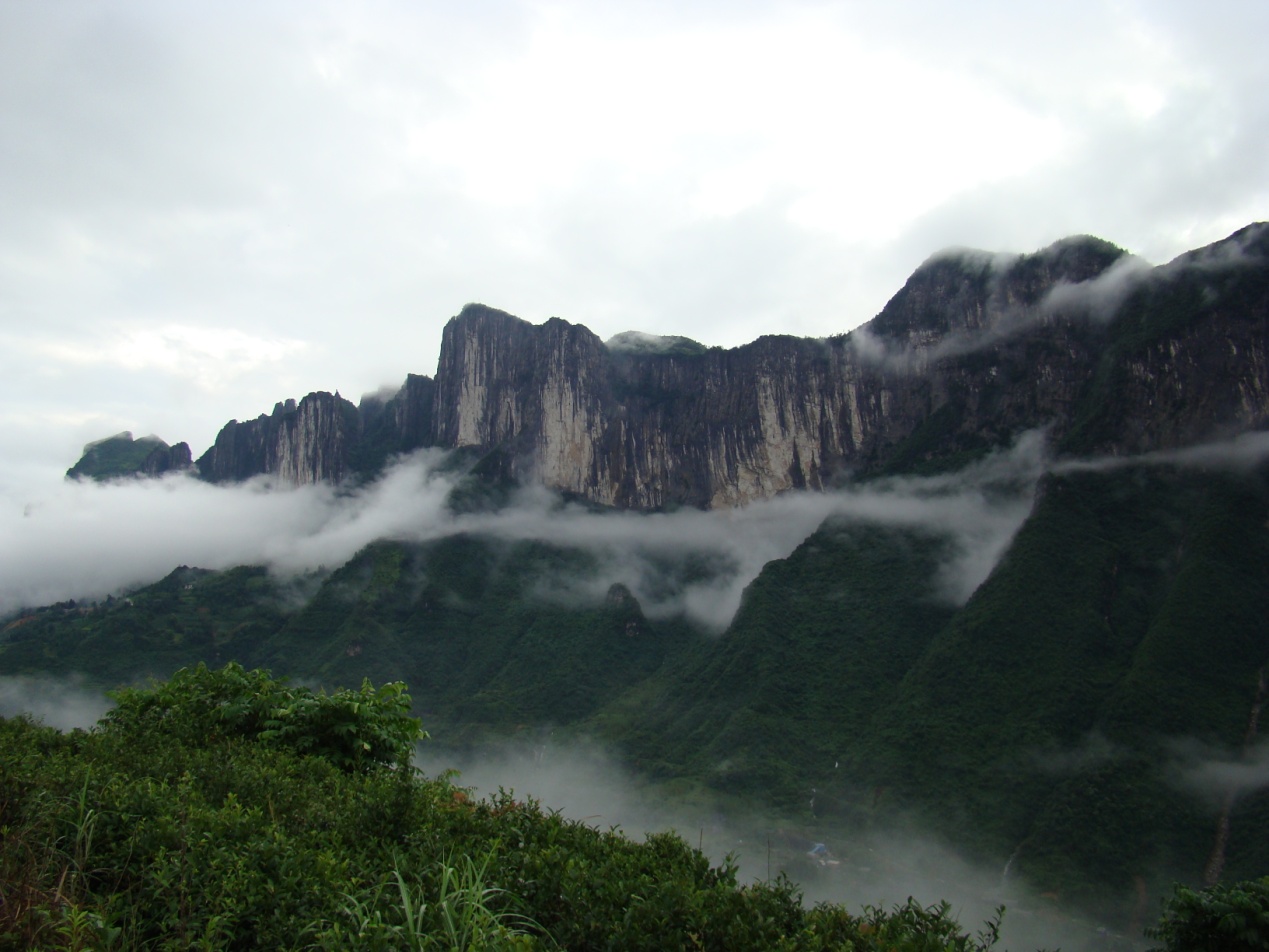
(64, 704)
(211, 357)
(83, 539)
(86, 540)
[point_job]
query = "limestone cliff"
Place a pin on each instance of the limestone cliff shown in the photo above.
(1109, 354)
(299, 443)
(323, 437)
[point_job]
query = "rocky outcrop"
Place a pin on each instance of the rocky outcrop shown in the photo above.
(167, 459)
(299, 443)
(411, 411)
(323, 437)
(1109, 354)
(120, 455)
(1187, 354)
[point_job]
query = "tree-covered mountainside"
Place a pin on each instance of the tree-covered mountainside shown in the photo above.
(120, 455)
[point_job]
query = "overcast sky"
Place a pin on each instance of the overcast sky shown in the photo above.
(208, 207)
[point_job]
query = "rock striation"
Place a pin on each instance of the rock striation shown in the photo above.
(305, 442)
(1112, 355)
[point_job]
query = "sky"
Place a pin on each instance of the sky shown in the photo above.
(207, 208)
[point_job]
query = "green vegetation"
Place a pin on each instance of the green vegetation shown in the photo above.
(115, 456)
(1226, 918)
(1041, 719)
(354, 730)
(220, 810)
(1183, 303)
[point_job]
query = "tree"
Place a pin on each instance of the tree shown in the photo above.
(1223, 918)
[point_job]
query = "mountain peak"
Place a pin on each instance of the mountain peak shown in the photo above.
(120, 456)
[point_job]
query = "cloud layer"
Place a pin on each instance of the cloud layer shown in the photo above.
(86, 540)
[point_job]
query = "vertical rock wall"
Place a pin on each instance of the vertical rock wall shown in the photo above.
(1110, 355)
(299, 443)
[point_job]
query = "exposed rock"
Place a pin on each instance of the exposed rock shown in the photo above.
(1110, 354)
(300, 443)
(412, 413)
(166, 459)
(972, 350)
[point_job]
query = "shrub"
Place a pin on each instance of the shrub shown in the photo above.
(1223, 918)
(355, 730)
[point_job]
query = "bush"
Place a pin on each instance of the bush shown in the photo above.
(1221, 918)
(355, 730)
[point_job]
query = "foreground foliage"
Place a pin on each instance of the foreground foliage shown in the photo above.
(227, 810)
(1222, 918)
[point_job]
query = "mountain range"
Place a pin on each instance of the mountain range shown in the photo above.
(1112, 355)
(1029, 616)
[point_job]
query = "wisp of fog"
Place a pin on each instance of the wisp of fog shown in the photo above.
(582, 780)
(85, 540)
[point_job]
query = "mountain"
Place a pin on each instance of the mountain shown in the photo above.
(121, 455)
(1111, 355)
(1086, 705)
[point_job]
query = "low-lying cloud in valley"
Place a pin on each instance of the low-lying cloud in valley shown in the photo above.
(85, 540)
(880, 867)
(64, 703)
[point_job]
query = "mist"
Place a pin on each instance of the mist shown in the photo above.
(1239, 454)
(1100, 297)
(1097, 299)
(64, 703)
(585, 782)
(1215, 776)
(85, 540)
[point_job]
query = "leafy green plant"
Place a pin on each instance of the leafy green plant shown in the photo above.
(464, 915)
(354, 729)
(1230, 917)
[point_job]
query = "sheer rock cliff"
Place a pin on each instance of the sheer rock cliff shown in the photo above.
(1111, 355)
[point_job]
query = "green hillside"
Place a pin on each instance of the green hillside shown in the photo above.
(1053, 717)
(226, 810)
(115, 456)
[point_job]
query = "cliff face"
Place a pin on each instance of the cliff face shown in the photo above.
(1111, 355)
(323, 437)
(167, 459)
(300, 443)
(1186, 357)
(541, 391)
